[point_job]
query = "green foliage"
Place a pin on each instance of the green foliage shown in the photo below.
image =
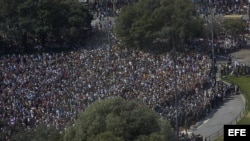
(33, 22)
(221, 138)
(217, 29)
(119, 120)
(8, 10)
(41, 133)
(149, 21)
(106, 136)
(234, 27)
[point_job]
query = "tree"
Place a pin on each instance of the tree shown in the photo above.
(8, 19)
(119, 120)
(29, 23)
(41, 133)
(217, 29)
(79, 22)
(150, 21)
(57, 19)
(234, 27)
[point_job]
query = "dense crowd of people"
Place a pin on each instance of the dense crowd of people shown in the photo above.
(107, 8)
(223, 6)
(226, 45)
(234, 68)
(52, 88)
(192, 137)
(221, 91)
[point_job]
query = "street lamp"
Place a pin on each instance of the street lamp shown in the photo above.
(248, 10)
(106, 7)
(175, 89)
(212, 36)
(174, 37)
(109, 42)
(114, 6)
(175, 80)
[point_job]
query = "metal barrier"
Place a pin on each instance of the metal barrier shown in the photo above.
(221, 131)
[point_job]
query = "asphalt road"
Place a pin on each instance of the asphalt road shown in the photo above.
(212, 126)
(227, 113)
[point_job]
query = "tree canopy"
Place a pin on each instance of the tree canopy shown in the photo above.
(28, 23)
(40, 133)
(148, 22)
(119, 120)
(234, 27)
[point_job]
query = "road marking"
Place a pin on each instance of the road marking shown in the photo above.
(204, 122)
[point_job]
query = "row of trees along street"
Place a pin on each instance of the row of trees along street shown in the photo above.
(42, 23)
(148, 24)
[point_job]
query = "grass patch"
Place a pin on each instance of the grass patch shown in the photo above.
(221, 138)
